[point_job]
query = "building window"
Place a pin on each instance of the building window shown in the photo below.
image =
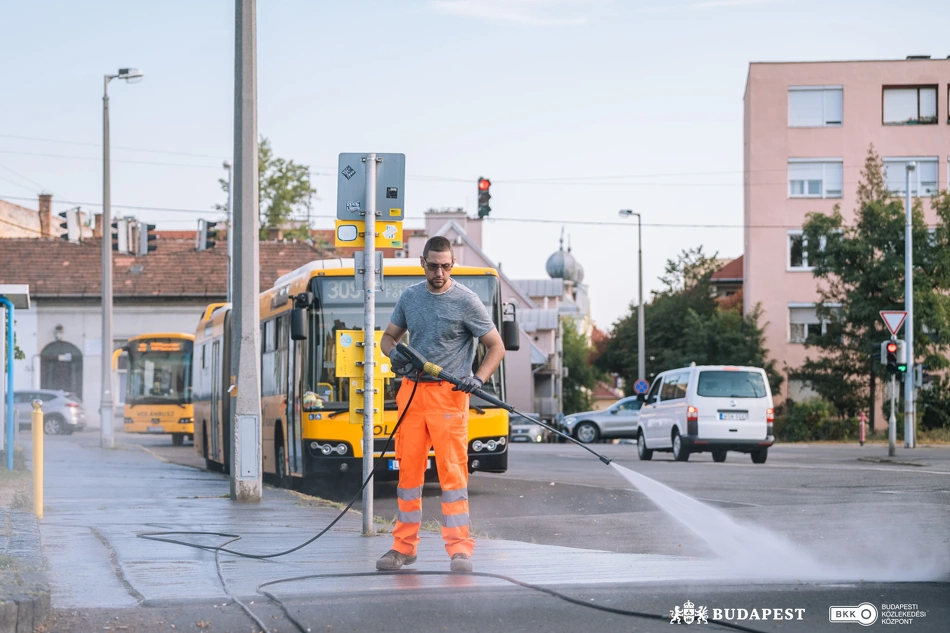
(923, 180)
(814, 106)
(804, 325)
(810, 178)
(910, 105)
(798, 250)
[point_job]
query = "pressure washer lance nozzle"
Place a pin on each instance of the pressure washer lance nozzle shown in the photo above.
(604, 459)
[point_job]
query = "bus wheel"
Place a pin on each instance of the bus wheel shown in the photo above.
(178, 439)
(283, 480)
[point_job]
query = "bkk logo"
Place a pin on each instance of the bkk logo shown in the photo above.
(689, 613)
(864, 614)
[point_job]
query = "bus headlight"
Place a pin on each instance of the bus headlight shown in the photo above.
(186, 421)
(315, 446)
(477, 445)
(502, 441)
(128, 420)
(326, 449)
(341, 449)
(492, 445)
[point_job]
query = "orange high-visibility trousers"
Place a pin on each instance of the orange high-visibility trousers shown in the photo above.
(437, 418)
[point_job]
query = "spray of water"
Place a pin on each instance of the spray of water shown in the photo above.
(752, 552)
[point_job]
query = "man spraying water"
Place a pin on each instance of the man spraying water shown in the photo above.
(444, 319)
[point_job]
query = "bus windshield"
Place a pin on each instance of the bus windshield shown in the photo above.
(341, 308)
(159, 372)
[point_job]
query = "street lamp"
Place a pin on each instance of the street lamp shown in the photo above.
(641, 342)
(107, 439)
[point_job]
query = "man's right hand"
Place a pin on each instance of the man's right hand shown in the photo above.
(401, 363)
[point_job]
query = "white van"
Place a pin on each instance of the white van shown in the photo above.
(714, 408)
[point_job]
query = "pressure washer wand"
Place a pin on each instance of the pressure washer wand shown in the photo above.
(421, 364)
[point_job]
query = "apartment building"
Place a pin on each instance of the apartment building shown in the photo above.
(807, 129)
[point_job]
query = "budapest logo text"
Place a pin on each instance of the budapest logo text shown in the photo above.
(690, 613)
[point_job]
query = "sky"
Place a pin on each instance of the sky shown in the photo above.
(574, 109)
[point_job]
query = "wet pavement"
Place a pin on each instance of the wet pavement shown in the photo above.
(103, 575)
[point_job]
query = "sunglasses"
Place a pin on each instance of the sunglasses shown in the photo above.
(434, 267)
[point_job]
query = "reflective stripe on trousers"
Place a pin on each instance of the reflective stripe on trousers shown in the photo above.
(437, 417)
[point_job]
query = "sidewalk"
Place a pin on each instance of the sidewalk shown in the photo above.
(98, 501)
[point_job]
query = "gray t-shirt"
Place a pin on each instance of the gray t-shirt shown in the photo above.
(443, 327)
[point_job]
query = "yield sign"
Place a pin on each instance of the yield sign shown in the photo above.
(893, 319)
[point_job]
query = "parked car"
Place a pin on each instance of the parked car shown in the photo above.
(713, 408)
(524, 430)
(619, 420)
(62, 412)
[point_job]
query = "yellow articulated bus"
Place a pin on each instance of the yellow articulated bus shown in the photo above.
(158, 390)
(308, 431)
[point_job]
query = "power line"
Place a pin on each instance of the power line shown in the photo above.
(30, 180)
(114, 160)
(13, 182)
(131, 149)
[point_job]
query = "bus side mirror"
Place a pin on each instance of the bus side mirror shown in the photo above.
(298, 316)
(298, 324)
(510, 331)
(511, 335)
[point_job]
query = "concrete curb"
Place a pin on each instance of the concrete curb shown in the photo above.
(24, 586)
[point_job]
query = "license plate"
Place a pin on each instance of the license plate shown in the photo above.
(733, 416)
(155, 429)
(394, 464)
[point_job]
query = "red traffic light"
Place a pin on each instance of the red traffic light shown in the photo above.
(483, 184)
(892, 348)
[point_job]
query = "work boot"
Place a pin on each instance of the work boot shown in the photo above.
(461, 562)
(393, 560)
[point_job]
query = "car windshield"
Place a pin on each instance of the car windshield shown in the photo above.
(731, 384)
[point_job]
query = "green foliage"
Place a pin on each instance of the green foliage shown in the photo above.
(684, 324)
(284, 189)
(933, 404)
(17, 352)
(860, 267)
(581, 375)
(813, 419)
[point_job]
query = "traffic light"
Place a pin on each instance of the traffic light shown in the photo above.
(484, 195)
(889, 355)
(901, 357)
(204, 239)
(146, 238)
(71, 225)
(894, 356)
(120, 236)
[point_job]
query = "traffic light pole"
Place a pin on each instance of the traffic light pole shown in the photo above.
(369, 339)
(909, 394)
(892, 422)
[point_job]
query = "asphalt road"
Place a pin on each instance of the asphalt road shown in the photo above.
(880, 523)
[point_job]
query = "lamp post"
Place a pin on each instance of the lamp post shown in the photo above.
(641, 342)
(230, 168)
(909, 413)
(107, 439)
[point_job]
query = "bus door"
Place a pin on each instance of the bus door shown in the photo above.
(215, 399)
(294, 437)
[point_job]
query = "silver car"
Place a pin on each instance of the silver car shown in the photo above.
(62, 412)
(619, 420)
(524, 430)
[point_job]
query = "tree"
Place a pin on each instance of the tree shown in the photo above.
(684, 323)
(859, 268)
(285, 189)
(581, 375)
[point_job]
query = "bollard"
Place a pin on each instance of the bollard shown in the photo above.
(862, 431)
(37, 459)
(862, 422)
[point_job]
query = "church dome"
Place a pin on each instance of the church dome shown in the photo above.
(563, 265)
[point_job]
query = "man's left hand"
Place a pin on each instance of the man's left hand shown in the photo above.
(470, 384)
